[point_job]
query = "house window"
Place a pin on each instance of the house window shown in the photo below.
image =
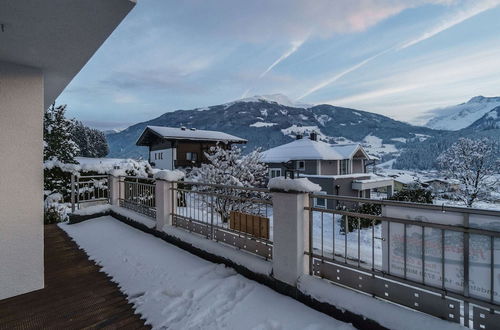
(191, 156)
(160, 155)
(345, 167)
(274, 172)
(320, 202)
(301, 165)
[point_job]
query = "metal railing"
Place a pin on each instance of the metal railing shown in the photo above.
(138, 195)
(89, 189)
(241, 217)
(440, 260)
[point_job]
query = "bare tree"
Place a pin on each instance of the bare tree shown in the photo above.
(473, 163)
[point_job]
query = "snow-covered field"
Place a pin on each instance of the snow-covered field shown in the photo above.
(173, 289)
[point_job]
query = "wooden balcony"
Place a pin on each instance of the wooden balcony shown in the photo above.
(76, 294)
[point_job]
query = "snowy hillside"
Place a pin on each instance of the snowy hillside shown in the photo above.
(461, 116)
(491, 120)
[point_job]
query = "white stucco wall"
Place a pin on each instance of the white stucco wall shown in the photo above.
(21, 180)
(167, 163)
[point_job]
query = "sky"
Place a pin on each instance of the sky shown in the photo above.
(398, 58)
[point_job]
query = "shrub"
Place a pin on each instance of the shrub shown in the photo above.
(355, 223)
(415, 194)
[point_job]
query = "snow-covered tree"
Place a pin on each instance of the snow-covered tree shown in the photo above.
(58, 142)
(473, 163)
(229, 167)
(91, 142)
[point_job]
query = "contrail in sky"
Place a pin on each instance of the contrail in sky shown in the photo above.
(341, 74)
(295, 46)
(447, 23)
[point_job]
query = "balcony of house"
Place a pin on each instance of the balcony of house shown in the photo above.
(407, 264)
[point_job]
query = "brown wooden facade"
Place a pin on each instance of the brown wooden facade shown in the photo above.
(185, 152)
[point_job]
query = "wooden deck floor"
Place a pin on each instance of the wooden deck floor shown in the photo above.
(76, 294)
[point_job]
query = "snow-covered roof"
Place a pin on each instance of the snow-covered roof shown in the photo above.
(406, 178)
(307, 149)
(175, 133)
(349, 150)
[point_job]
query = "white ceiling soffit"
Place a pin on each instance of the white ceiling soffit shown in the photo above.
(57, 36)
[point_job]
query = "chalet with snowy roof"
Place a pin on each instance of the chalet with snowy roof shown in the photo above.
(340, 169)
(171, 147)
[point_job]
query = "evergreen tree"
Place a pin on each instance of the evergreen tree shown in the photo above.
(58, 142)
(91, 142)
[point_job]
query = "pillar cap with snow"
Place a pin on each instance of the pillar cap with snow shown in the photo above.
(300, 185)
(169, 175)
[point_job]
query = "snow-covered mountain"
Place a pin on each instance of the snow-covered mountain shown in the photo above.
(270, 120)
(111, 131)
(490, 121)
(460, 116)
(276, 98)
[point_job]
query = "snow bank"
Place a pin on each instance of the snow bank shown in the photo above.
(385, 313)
(94, 209)
(174, 289)
(295, 185)
(239, 257)
(132, 215)
(113, 166)
(168, 175)
(54, 162)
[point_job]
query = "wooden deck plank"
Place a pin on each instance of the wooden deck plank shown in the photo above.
(76, 294)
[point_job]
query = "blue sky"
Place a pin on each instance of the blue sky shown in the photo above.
(398, 58)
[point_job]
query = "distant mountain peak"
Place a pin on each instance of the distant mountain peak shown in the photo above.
(275, 98)
(460, 116)
(484, 99)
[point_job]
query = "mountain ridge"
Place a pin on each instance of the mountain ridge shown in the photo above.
(461, 116)
(266, 123)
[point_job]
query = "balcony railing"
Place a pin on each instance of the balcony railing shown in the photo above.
(237, 216)
(138, 194)
(443, 261)
(87, 189)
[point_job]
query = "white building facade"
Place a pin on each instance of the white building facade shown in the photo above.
(43, 45)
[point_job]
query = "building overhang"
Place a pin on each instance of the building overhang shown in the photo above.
(372, 183)
(57, 36)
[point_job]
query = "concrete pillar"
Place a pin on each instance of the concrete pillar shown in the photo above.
(21, 179)
(114, 190)
(165, 203)
(290, 236)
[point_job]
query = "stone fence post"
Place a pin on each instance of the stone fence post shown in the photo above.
(165, 202)
(290, 227)
(116, 190)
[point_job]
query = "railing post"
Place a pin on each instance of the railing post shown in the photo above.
(114, 190)
(165, 203)
(73, 188)
(290, 235)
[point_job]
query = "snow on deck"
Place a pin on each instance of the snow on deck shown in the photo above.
(174, 289)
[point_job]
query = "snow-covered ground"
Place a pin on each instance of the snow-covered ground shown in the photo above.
(174, 289)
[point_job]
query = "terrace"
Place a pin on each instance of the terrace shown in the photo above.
(440, 261)
(410, 266)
